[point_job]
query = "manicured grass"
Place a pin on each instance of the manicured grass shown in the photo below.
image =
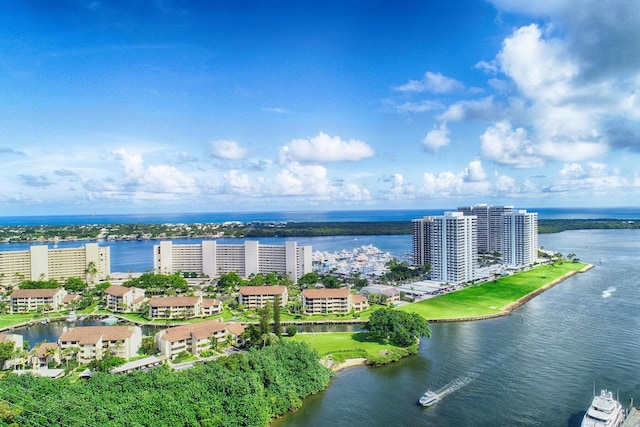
(8, 320)
(327, 343)
(490, 297)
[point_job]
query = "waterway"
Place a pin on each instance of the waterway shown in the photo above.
(536, 367)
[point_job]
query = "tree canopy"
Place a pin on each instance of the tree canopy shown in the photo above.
(399, 327)
(159, 283)
(239, 390)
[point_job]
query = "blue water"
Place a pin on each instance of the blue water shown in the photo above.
(302, 216)
(534, 368)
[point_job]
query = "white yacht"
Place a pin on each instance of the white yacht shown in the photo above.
(429, 398)
(72, 317)
(605, 411)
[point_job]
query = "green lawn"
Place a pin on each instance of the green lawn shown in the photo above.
(8, 320)
(489, 297)
(328, 343)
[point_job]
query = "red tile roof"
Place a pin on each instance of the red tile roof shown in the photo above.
(326, 293)
(262, 290)
(199, 330)
(116, 290)
(35, 293)
(174, 301)
(209, 302)
(358, 299)
(92, 334)
(41, 350)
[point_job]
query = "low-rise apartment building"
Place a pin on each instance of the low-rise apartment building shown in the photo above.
(195, 338)
(259, 296)
(391, 293)
(321, 301)
(91, 342)
(123, 299)
(23, 300)
(18, 343)
(183, 307)
(42, 355)
(359, 303)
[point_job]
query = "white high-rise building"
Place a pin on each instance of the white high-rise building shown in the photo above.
(490, 225)
(90, 262)
(245, 259)
(448, 244)
(520, 238)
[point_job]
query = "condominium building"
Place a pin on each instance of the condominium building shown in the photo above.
(489, 225)
(183, 307)
(196, 337)
(91, 342)
(259, 296)
(18, 342)
(214, 259)
(123, 299)
(448, 244)
(23, 300)
(520, 241)
(323, 301)
(90, 262)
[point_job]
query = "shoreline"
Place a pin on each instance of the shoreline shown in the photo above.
(509, 308)
(506, 310)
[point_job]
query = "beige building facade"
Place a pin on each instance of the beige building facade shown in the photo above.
(92, 342)
(249, 258)
(123, 299)
(24, 300)
(259, 296)
(90, 263)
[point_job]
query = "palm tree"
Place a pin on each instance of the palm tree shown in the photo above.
(50, 353)
(214, 343)
(91, 271)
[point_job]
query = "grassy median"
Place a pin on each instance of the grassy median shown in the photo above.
(493, 297)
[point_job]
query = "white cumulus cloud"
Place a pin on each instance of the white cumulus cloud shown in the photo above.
(507, 146)
(432, 82)
(436, 138)
(325, 148)
(229, 150)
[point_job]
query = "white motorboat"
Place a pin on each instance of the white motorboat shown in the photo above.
(429, 398)
(72, 317)
(604, 411)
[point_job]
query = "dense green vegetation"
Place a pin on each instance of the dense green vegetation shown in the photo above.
(159, 284)
(558, 225)
(19, 233)
(239, 390)
(399, 327)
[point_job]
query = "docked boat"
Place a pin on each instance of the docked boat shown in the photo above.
(429, 398)
(604, 411)
(72, 317)
(111, 320)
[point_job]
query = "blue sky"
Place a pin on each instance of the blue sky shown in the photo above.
(177, 106)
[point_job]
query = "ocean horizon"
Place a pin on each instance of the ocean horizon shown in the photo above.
(623, 213)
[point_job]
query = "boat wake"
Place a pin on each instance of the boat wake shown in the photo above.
(608, 292)
(460, 382)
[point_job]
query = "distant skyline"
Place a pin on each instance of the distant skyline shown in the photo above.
(158, 106)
